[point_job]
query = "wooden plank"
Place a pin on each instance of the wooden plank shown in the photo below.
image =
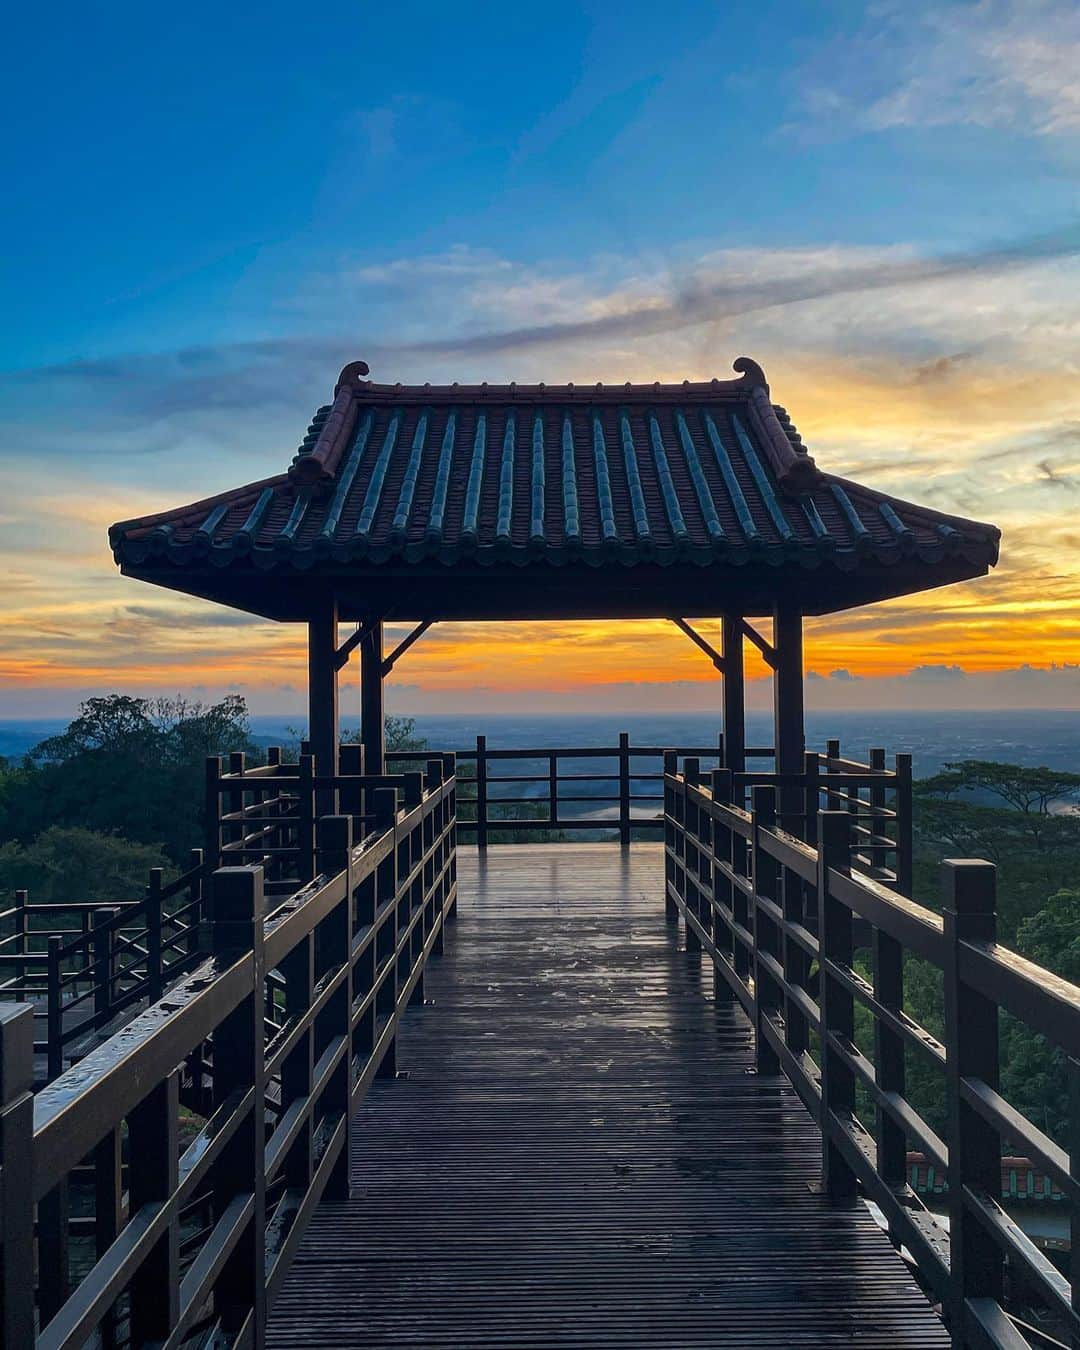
(581, 1153)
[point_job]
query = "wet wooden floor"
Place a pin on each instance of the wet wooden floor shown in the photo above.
(582, 1155)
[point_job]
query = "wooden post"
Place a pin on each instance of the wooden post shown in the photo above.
(624, 789)
(767, 885)
(790, 736)
(335, 935)
(323, 695)
(153, 935)
(481, 792)
(20, 943)
(902, 807)
(788, 718)
(734, 695)
(236, 927)
(104, 940)
(212, 813)
(372, 709)
(671, 829)
(971, 1040)
(835, 934)
(153, 1173)
(722, 888)
(16, 1175)
(54, 1010)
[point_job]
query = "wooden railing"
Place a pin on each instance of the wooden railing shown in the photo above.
(782, 920)
(82, 978)
(626, 782)
(117, 1231)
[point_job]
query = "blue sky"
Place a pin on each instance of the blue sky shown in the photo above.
(214, 207)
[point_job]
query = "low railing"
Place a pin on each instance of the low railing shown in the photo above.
(82, 978)
(625, 781)
(117, 1231)
(782, 920)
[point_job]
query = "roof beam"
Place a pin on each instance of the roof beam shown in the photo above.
(698, 641)
(404, 645)
(767, 650)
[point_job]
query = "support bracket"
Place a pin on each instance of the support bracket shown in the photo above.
(767, 650)
(698, 641)
(404, 645)
(363, 632)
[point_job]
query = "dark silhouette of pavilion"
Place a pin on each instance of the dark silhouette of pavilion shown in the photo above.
(533, 502)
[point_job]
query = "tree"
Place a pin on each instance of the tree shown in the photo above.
(71, 863)
(126, 766)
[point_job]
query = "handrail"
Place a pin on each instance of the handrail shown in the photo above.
(767, 909)
(273, 1065)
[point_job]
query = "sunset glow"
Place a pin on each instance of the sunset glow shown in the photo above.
(938, 366)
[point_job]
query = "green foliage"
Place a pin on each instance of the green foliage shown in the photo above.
(72, 863)
(1029, 791)
(125, 766)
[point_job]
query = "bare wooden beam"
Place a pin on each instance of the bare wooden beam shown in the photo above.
(698, 641)
(403, 646)
(766, 648)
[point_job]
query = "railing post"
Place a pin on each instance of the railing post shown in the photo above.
(413, 789)
(692, 778)
(305, 829)
(481, 792)
(671, 826)
(104, 949)
(212, 817)
(835, 935)
(721, 887)
(20, 943)
(54, 1011)
(553, 789)
(624, 789)
(902, 807)
(766, 879)
(335, 937)
(237, 909)
(153, 935)
(812, 772)
(385, 806)
(196, 893)
(351, 796)
(971, 1041)
(16, 1175)
(153, 1172)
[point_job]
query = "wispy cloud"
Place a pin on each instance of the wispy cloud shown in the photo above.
(1001, 64)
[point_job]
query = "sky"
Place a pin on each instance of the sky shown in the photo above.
(212, 208)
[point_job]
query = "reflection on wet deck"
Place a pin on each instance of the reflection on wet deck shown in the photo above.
(581, 1153)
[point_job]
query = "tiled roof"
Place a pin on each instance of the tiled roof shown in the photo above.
(702, 473)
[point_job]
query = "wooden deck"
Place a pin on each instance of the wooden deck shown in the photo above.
(581, 1153)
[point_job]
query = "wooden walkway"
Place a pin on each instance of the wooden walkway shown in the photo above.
(582, 1155)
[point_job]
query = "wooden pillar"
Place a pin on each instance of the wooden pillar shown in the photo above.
(790, 733)
(323, 693)
(372, 709)
(734, 696)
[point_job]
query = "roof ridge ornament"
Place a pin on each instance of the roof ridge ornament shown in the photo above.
(753, 377)
(351, 375)
(319, 465)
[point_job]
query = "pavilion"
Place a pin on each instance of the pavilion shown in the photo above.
(535, 502)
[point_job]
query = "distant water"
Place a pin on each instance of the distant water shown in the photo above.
(933, 738)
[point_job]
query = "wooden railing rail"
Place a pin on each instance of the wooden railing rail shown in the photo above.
(631, 780)
(783, 920)
(267, 1045)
